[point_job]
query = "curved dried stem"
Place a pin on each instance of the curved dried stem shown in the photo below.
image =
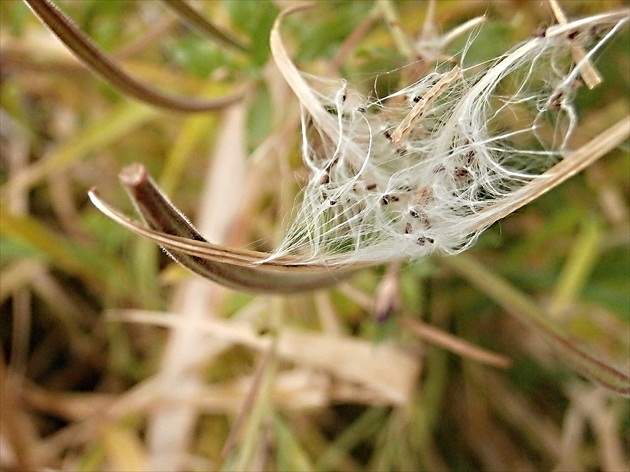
(195, 20)
(574, 163)
(294, 78)
(447, 341)
(101, 64)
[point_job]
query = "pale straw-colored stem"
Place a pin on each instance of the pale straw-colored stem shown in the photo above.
(590, 75)
(564, 170)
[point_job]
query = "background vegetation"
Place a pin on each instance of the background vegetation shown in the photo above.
(205, 378)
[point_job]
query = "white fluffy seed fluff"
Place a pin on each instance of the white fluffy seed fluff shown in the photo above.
(405, 175)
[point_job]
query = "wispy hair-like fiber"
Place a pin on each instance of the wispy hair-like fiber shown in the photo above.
(402, 176)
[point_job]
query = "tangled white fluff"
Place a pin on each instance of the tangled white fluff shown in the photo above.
(402, 176)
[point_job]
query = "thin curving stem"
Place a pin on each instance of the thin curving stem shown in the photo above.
(195, 20)
(107, 69)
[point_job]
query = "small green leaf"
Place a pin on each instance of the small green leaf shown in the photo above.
(259, 117)
(255, 18)
(199, 57)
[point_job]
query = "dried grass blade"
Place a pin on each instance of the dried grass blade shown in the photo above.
(235, 268)
(589, 74)
(572, 164)
(401, 39)
(385, 369)
(293, 77)
(248, 403)
(424, 103)
(109, 70)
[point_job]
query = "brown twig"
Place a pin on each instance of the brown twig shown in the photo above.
(107, 69)
(454, 344)
(194, 19)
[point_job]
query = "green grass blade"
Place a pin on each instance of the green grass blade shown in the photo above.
(577, 268)
(78, 261)
(122, 120)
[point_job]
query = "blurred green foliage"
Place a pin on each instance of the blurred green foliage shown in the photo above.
(63, 132)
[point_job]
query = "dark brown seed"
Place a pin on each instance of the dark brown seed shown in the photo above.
(461, 172)
(470, 156)
(422, 240)
(555, 101)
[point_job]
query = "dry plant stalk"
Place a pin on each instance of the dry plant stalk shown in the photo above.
(454, 344)
(368, 203)
(589, 74)
(423, 103)
(349, 359)
(102, 65)
(387, 186)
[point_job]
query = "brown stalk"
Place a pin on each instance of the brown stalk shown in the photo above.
(454, 344)
(195, 20)
(590, 365)
(102, 65)
(575, 162)
(248, 404)
(235, 268)
(351, 42)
